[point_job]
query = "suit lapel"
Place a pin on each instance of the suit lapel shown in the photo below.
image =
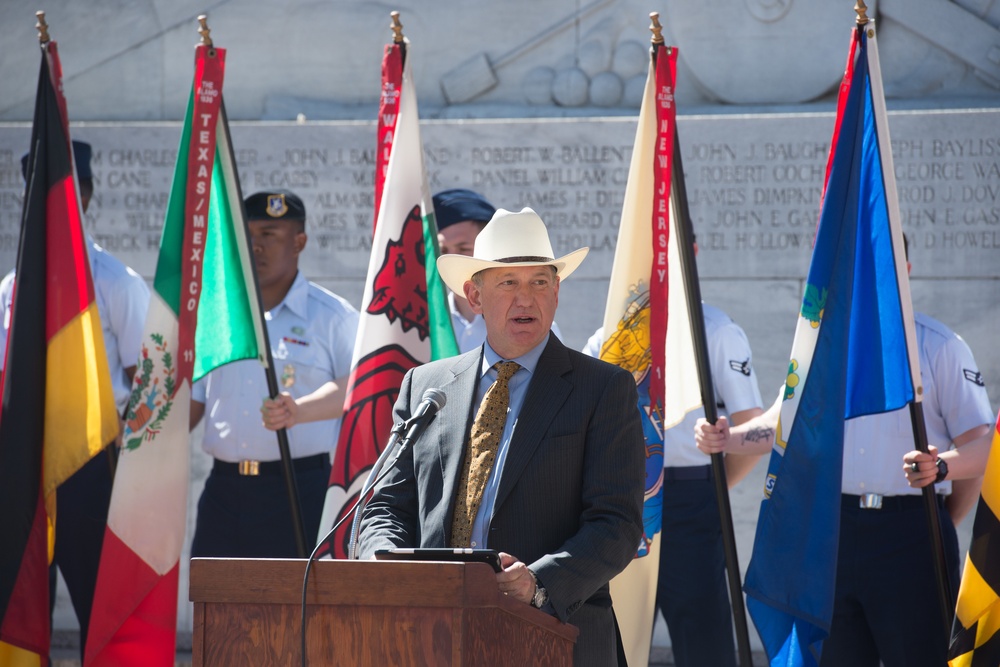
(546, 394)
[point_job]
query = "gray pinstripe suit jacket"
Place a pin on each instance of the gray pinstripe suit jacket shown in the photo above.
(569, 503)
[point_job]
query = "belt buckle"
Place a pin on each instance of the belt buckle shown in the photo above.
(870, 501)
(249, 468)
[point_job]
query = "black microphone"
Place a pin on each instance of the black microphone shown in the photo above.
(432, 401)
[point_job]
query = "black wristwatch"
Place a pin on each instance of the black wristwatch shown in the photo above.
(942, 472)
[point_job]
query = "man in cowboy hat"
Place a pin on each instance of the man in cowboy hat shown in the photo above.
(460, 215)
(541, 459)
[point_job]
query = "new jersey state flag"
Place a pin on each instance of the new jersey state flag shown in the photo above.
(853, 354)
(647, 331)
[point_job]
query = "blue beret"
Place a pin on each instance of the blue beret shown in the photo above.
(275, 205)
(81, 154)
(459, 205)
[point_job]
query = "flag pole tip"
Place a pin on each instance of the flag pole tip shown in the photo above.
(204, 30)
(43, 28)
(656, 29)
(397, 28)
(862, 10)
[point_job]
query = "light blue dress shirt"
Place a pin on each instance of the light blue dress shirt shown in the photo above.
(312, 335)
(518, 387)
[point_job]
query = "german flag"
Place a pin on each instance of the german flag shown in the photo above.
(58, 409)
(975, 640)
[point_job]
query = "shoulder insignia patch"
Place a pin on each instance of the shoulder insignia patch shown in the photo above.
(975, 377)
(741, 366)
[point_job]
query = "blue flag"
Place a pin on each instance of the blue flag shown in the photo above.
(849, 358)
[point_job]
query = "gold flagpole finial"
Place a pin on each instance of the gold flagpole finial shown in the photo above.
(656, 29)
(862, 9)
(397, 28)
(43, 28)
(204, 30)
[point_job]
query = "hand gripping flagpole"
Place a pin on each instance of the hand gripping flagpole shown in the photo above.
(264, 355)
(685, 246)
(928, 492)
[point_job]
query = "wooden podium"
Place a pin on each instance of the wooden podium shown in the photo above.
(379, 613)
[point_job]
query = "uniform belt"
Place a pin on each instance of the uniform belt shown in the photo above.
(255, 468)
(687, 473)
(876, 501)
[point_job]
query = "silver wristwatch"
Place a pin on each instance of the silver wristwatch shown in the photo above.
(541, 596)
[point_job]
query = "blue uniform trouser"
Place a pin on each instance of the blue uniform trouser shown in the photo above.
(250, 516)
(692, 591)
(81, 517)
(886, 606)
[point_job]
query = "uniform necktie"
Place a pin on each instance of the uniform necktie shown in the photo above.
(484, 440)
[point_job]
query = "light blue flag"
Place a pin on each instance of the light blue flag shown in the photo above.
(849, 358)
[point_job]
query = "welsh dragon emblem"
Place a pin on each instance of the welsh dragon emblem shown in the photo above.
(152, 394)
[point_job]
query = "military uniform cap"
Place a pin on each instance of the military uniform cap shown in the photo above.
(459, 205)
(275, 205)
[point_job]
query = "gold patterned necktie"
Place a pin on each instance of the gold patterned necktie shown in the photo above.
(484, 440)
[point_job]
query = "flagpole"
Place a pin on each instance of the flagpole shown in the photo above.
(397, 35)
(264, 355)
(933, 520)
(685, 247)
(288, 472)
(929, 492)
(43, 28)
(111, 450)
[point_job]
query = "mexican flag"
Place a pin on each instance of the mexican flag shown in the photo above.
(58, 407)
(204, 312)
(404, 321)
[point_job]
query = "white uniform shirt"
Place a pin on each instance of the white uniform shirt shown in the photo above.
(122, 301)
(955, 401)
(471, 335)
(733, 377)
(312, 341)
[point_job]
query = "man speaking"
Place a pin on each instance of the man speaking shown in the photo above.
(538, 453)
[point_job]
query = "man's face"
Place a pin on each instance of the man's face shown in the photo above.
(276, 248)
(460, 238)
(518, 304)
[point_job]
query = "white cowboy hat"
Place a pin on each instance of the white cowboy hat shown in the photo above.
(509, 239)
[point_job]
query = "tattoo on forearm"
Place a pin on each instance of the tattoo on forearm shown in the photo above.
(758, 434)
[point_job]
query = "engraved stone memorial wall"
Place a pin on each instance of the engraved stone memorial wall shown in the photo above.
(753, 184)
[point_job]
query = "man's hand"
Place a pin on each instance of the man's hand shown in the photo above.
(712, 438)
(516, 580)
(280, 412)
(926, 467)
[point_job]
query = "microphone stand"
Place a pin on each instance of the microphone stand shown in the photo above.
(395, 434)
